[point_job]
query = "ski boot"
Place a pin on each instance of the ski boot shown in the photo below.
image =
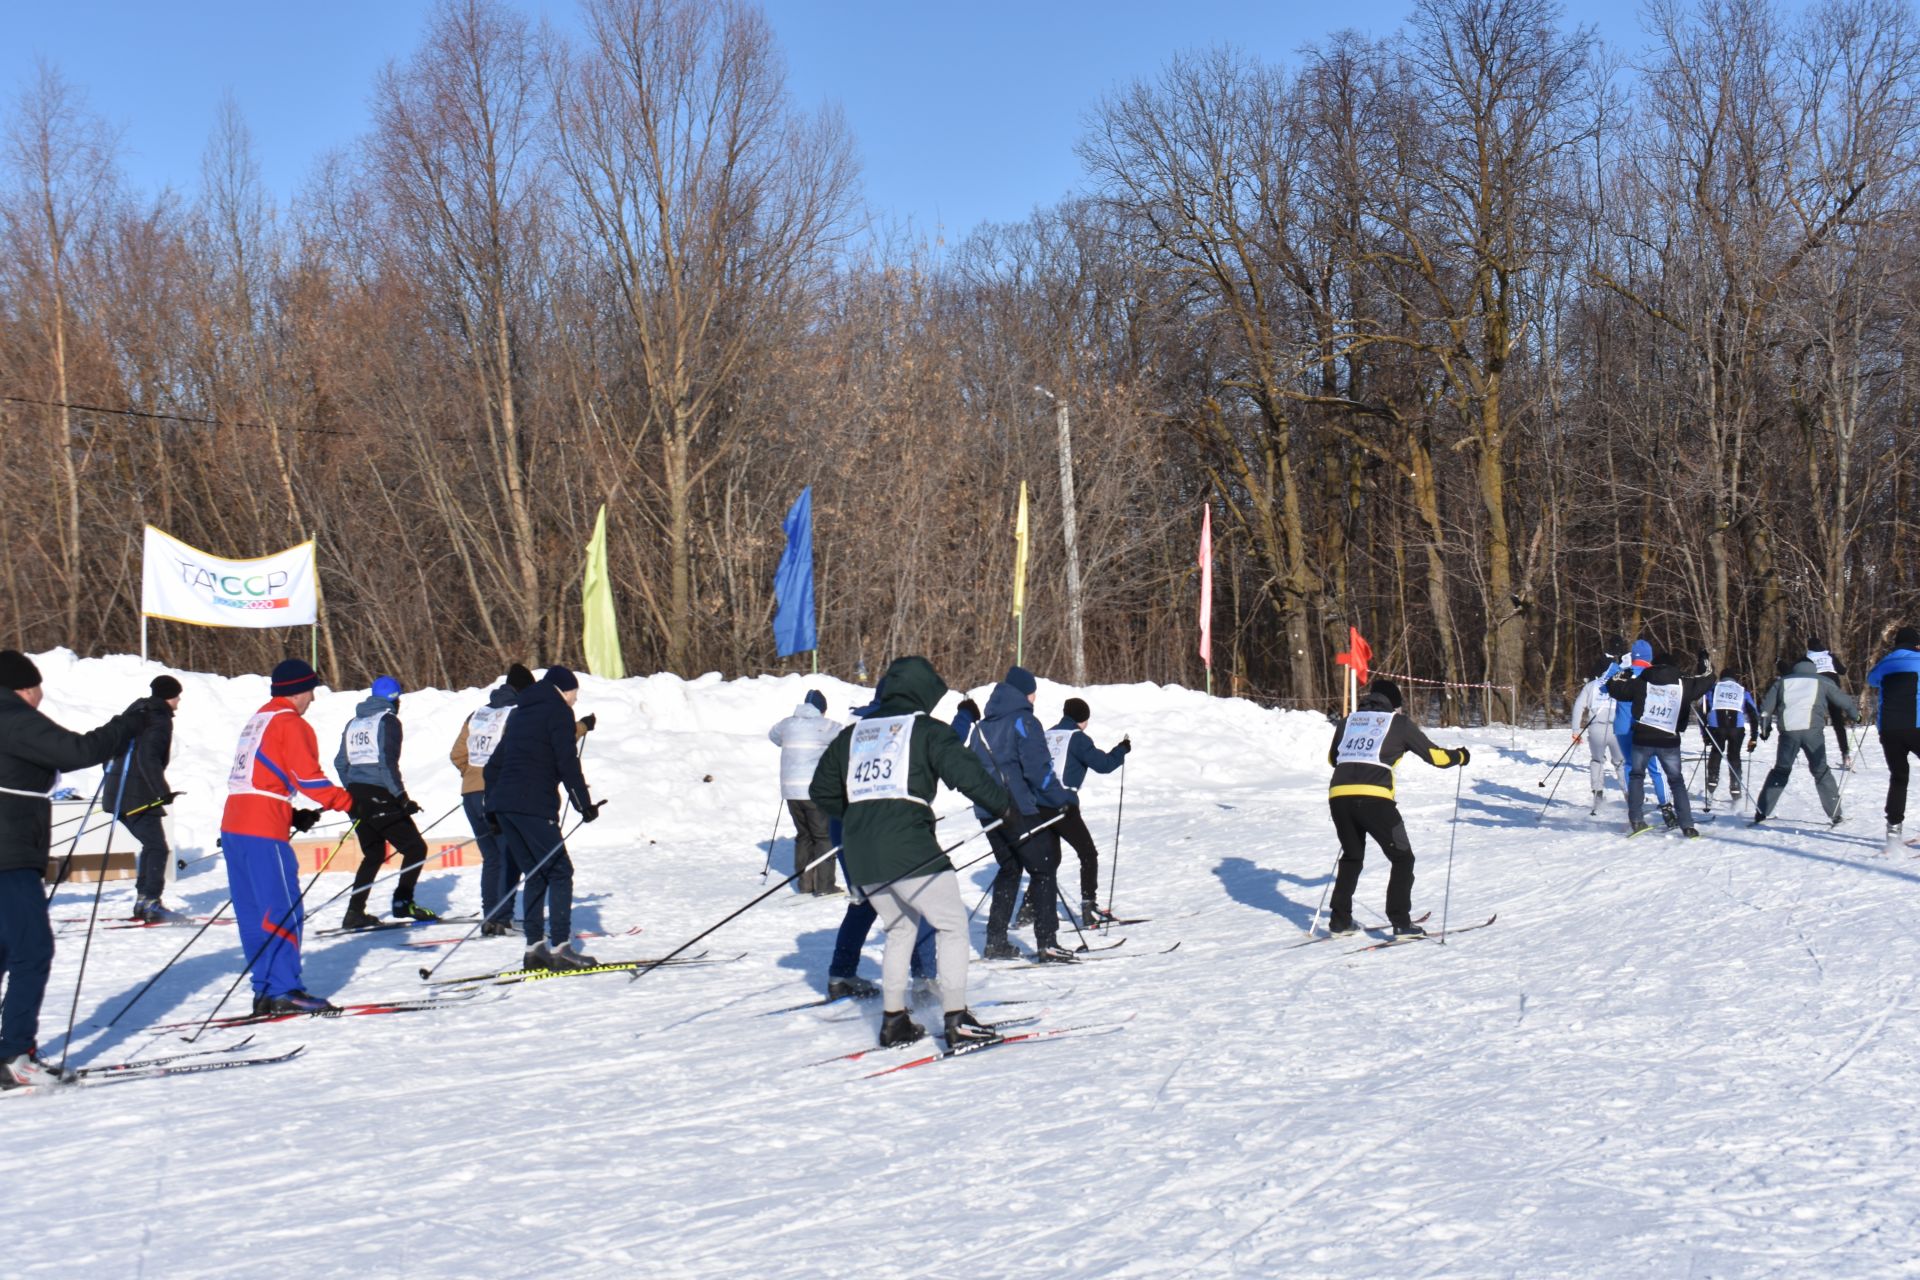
(1594, 812)
(1053, 953)
(496, 929)
(1093, 916)
(1670, 814)
(1836, 819)
(1639, 829)
(897, 1028)
(1341, 927)
(851, 989)
(964, 1029)
(1691, 833)
(1893, 836)
(298, 1001)
(262, 1004)
(356, 918)
(570, 956)
(537, 957)
(1000, 949)
(412, 911)
(26, 1070)
(1408, 930)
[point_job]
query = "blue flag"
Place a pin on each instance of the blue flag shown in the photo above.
(793, 628)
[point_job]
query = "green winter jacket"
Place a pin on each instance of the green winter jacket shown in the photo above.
(887, 839)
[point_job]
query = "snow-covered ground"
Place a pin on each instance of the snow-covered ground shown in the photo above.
(1667, 1058)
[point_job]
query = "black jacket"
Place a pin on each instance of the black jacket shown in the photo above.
(147, 775)
(32, 750)
(1365, 778)
(1632, 689)
(536, 758)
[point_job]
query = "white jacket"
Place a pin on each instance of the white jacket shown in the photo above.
(1593, 709)
(803, 738)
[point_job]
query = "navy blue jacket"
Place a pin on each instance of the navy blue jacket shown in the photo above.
(1082, 755)
(1897, 677)
(536, 758)
(1013, 747)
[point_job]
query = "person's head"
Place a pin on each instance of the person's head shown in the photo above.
(1816, 645)
(1641, 653)
(389, 688)
(295, 681)
(1907, 638)
(565, 681)
(1387, 689)
(1615, 646)
(817, 700)
(1729, 673)
(1022, 679)
(18, 673)
(519, 679)
(1661, 658)
(1077, 711)
(1784, 667)
(166, 689)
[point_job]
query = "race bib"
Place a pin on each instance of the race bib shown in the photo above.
(240, 777)
(877, 760)
(1058, 740)
(1661, 710)
(1729, 695)
(1822, 660)
(363, 739)
(484, 728)
(1365, 734)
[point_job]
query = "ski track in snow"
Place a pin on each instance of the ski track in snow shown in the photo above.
(1667, 1058)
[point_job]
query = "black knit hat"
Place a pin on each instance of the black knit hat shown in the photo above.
(1816, 645)
(17, 671)
(1907, 638)
(518, 678)
(1077, 711)
(1388, 690)
(291, 677)
(561, 678)
(817, 700)
(165, 688)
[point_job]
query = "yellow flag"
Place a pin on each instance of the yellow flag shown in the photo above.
(600, 632)
(1020, 555)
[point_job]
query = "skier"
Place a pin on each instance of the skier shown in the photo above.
(1827, 665)
(479, 735)
(1011, 743)
(1897, 677)
(1073, 753)
(879, 776)
(1367, 744)
(1594, 710)
(277, 759)
(1799, 703)
(143, 797)
(33, 751)
(1659, 699)
(1725, 710)
(369, 763)
(1638, 658)
(803, 738)
(534, 760)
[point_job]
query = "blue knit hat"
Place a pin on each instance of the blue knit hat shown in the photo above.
(291, 677)
(1642, 652)
(386, 687)
(1021, 679)
(560, 678)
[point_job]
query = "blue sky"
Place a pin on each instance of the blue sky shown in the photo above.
(961, 112)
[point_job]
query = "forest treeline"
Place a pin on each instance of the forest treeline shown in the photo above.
(1479, 338)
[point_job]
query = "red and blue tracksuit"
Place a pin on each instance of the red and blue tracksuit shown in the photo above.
(277, 758)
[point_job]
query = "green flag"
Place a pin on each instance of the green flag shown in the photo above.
(600, 631)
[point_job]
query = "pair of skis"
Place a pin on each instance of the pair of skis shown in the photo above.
(191, 1062)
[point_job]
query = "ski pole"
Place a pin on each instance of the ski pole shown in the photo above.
(1541, 816)
(66, 863)
(181, 864)
(278, 931)
(1068, 908)
(1552, 768)
(1453, 838)
(770, 839)
(1840, 797)
(99, 886)
(405, 868)
(1314, 927)
(168, 965)
(506, 902)
(1119, 813)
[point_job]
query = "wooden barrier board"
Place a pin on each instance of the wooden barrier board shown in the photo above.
(330, 855)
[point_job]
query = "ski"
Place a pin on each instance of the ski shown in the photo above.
(1080, 953)
(1116, 921)
(385, 925)
(858, 1054)
(506, 976)
(1371, 930)
(144, 1071)
(182, 923)
(583, 933)
(165, 1059)
(353, 1010)
(1087, 959)
(1083, 1031)
(1425, 937)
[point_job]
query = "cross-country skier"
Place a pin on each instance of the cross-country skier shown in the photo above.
(369, 763)
(1593, 714)
(479, 735)
(1013, 746)
(33, 751)
(524, 775)
(1827, 665)
(1638, 658)
(277, 759)
(1073, 753)
(143, 799)
(1727, 713)
(879, 777)
(1799, 703)
(1897, 677)
(1659, 699)
(803, 738)
(1367, 744)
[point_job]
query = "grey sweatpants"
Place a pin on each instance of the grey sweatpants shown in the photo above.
(902, 906)
(1605, 746)
(1793, 742)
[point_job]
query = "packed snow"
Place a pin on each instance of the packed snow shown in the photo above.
(1666, 1058)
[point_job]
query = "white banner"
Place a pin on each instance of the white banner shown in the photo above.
(184, 584)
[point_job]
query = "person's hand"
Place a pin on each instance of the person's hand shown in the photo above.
(303, 819)
(344, 804)
(588, 721)
(1576, 739)
(1010, 816)
(590, 811)
(408, 805)
(1126, 745)
(493, 824)
(1460, 757)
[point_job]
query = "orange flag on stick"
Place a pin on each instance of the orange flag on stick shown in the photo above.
(1358, 655)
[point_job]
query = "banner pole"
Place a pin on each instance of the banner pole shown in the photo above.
(143, 639)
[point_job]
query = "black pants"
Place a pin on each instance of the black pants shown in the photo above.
(150, 876)
(1038, 854)
(381, 825)
(811, 840)
(26, 958)
(1073, 830)
(1724, 742)
(545, 888)
(1895, 746)
(1354, 819)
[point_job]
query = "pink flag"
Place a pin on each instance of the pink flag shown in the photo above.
(1206, 587)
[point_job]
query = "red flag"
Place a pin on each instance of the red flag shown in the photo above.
(1358, 655)
(1206, 587)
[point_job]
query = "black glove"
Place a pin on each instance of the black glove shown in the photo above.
(588, 721)
(304, 819)
(493, 824)
(589, 811)
(1460, 757)
(169, 798)
(409, 806)
(1126, 745)
(971, 707)
(1010, 816)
